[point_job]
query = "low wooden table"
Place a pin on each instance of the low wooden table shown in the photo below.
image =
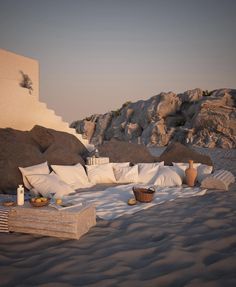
(69, 223)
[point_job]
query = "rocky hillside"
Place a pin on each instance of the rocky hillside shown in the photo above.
(203, 118)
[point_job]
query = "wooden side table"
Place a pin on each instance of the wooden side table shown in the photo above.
(70, 223)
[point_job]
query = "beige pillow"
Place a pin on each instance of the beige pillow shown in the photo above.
(148, 171)
(203, 170)
(74, 175)
(126, 174)
(220, 179)
(180, 168)
(120, 164)
(102, 173)
(34, 169)
(167, 176)
(48, 184)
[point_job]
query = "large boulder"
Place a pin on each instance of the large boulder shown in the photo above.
(203, 118)
(62, 155)
(27, 148)
(169, 104)
(215, 125)
(191, 95)
(176, 152)
(120, 151)
(45, 136)
(132, 131)
(16, 149)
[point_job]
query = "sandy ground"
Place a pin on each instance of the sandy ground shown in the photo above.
(187, 242)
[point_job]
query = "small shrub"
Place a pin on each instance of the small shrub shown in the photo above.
(26, 82)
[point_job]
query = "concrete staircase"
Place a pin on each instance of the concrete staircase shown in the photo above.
(20, 110)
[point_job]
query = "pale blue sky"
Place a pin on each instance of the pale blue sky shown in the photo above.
(96, 54)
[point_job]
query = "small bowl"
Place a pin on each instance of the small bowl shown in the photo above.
(132, 201)
(40, 204)
(9, 203)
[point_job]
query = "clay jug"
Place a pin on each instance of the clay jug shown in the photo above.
(191, 174)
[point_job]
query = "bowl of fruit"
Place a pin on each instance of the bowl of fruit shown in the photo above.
(39, 201)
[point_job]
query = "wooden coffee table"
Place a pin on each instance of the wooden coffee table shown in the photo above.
(69, 223)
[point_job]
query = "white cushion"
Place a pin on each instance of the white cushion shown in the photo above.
(147, 171)
(120, 164)
(126, 174)
(167, 176)
(102, 173)
(202, 170)
(47, 184)
(74, 175)
(35, 169)
(220, 179)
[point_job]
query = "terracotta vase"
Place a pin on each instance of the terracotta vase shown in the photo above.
(191, 174)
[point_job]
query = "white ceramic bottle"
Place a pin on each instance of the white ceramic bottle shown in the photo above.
(20, 195)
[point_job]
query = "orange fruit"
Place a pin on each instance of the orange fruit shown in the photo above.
(58, 201)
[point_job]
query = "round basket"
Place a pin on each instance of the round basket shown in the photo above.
(143, 194)
(40, 204)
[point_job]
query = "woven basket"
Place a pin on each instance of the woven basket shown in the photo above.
(143, 194)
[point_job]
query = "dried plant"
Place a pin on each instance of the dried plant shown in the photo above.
(26, 82)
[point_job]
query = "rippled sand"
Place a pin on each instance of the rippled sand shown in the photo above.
(187, 242)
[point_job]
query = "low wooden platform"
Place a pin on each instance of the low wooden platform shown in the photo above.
(70, 223)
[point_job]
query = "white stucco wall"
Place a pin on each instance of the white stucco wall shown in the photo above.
(18, 108)
(10, 66)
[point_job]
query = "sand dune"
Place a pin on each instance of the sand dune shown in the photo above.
(187, 242)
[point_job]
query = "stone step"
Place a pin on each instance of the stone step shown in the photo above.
(22, 111)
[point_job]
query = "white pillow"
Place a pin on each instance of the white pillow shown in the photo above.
(102, 173)
(220, 179)
(120, 164)
(203, 171)
(35, 169)
(47, 184)
(180, 168)
(126, 174)
(74, 175)
(147, 171)
(167, 176)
